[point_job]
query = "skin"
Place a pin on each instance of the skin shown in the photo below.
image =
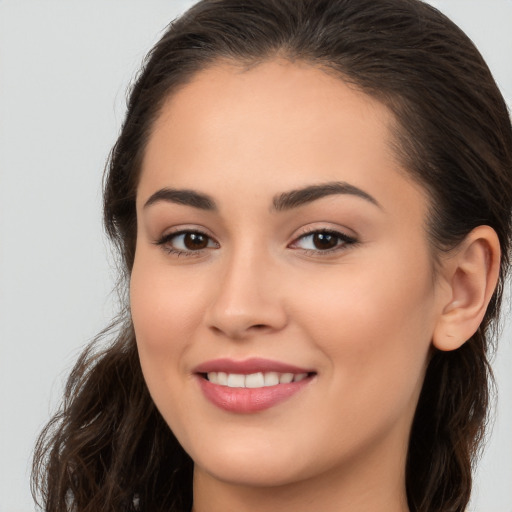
(362, 315)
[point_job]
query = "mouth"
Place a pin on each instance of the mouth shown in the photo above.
(252, 385)
(254, 380)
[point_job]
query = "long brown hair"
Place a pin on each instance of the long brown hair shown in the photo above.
(108, 448)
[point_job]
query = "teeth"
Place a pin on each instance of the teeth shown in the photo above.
(285, 378)
(236, 381)
(213, 377)
(254, 380)
(271, 379)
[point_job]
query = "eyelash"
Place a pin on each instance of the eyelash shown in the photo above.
(165, 243)
(343, 241)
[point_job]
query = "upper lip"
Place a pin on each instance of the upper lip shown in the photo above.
(248, 366)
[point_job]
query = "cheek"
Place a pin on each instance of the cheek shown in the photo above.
(165, 309)
(375, 325)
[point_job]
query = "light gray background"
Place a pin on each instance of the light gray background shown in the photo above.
(64, 68)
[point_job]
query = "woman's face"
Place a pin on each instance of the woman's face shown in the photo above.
(282, 293)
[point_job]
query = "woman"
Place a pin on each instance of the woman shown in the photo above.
(312, 204)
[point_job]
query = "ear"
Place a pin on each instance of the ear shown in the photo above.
(471, 272)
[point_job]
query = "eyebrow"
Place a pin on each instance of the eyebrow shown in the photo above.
(299, 197)
(183, 196)
(282, 202)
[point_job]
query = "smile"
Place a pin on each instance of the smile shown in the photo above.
(251, 385)
(253, 380)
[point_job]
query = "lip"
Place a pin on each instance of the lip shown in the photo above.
(249, 400)
(248, 366)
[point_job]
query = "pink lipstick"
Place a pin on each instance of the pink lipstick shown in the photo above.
(251, 385)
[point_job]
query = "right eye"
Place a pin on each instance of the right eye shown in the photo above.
(323, 241)
(187, 243)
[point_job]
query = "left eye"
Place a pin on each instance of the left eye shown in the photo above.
(186, 242)
(323, 241)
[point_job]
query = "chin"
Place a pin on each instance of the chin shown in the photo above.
(257, 475)
(257, 467)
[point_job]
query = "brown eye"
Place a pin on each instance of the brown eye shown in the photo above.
(187, 243)
(323, 241)
(195, 241)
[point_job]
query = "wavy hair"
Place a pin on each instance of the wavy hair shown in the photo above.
(108, 448)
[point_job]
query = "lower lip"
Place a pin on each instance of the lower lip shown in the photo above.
(249, 400)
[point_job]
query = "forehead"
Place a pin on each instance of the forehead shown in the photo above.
(280, 123)
(290, 82)
(226, 95)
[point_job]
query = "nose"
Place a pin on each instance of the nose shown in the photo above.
(248, 299)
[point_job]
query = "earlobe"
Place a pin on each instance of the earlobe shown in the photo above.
(472, 273)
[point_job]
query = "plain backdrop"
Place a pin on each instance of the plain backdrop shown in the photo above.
(64, 69)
